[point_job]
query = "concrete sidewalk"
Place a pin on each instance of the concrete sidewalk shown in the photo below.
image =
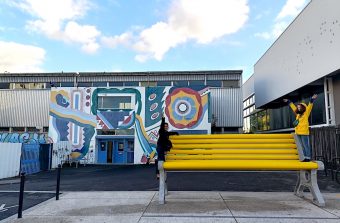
(134, 206)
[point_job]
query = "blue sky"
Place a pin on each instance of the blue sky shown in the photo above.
(139, 35)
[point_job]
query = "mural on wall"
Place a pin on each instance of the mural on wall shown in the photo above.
(76, 113)
(71, 119)
(25, 137)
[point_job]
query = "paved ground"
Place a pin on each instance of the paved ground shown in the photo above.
(9, 202)
(142, 178)
(141, 206)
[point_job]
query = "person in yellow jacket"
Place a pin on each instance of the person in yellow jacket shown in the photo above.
(301, 124)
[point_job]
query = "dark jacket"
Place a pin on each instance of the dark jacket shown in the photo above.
(163, 143)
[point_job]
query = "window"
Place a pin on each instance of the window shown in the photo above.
(36, 86)
(4, 129)
(116, 84)
(32, 129)
(120, 147)
(231, 84)
(148, 83)
(163, 83)
(181, 83)
(114, 102)
(53, 84)
(4, 86)
(99, 84)
(85, 84)
(21, 86)
(131, 83)
(45, 129)
(66, 84)
(196, 83)
(211, 83)
(18, 129)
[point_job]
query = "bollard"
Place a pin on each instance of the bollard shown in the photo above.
(58, 182)
(21, 195)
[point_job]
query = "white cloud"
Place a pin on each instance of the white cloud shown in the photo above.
(291, 9)
(15, 57)
(57, 20)
(200, 20)
(112, 42)
(276, 31)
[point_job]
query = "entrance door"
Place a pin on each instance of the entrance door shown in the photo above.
(120, 154)
(102, 152)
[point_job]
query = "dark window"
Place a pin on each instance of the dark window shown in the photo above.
(231, 84)
(32, 129)
(99, 84)
(196, 83)
(4, 129)
(116, 84)
(85, 84)
(214, 83)
(148, 83)
(18, 129)
(54, 84)
(131, 83)
(181, 83)
(4, 85)
(45, 129)
(163, 83)
(66, 84)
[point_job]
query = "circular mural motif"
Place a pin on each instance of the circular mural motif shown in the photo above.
(183, 108)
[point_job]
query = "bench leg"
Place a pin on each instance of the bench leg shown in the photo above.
(308, 179)
(162, 184)
(165, 183)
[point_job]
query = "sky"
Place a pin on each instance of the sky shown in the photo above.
(140, 35)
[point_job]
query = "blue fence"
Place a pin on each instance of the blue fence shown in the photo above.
(30, 158)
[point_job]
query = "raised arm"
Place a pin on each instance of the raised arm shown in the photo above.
(310, 105)
(291, 104)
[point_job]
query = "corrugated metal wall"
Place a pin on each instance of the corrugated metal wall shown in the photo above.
(121, 76)
(226, 106)
(24, 108)
(9, 159)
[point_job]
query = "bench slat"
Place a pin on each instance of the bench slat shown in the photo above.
(234, 146)
(233, 157)
(220, 165)
(234, 151)
(235, 136)
(231, 141)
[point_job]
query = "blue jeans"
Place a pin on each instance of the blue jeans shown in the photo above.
(307, 151)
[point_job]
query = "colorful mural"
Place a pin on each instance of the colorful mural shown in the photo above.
(25, 137)
(76, 113)
(71, 120)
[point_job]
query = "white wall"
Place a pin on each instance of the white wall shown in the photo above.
(308, 50)
(10, 154)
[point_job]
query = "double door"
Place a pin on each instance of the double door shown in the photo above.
(118, 151)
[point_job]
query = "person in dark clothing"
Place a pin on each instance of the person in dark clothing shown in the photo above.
(163, 143)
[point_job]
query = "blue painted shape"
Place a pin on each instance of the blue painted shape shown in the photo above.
(30, 162)
(112, 118)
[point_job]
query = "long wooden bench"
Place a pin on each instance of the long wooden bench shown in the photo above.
(241, 152)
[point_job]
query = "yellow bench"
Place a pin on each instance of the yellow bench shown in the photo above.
(241, 152)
